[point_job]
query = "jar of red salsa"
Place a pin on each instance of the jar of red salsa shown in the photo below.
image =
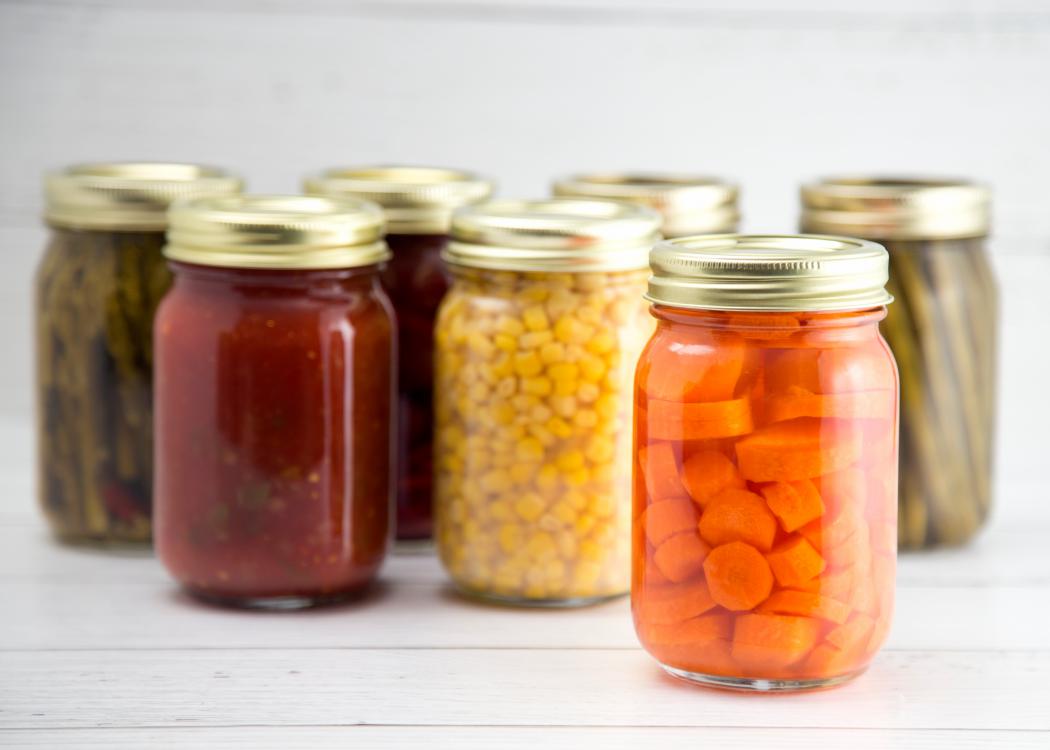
(418, 204)
(274, 398)
(765, 492)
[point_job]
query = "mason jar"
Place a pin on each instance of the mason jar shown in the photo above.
(97, 287)
(275, 357)
(765, 487)
(943, 331)
(418, 204)
(687, 203)
(536, 345)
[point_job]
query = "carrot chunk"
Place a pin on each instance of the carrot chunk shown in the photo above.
(795, 562)
(738, 516)
(660, 469)
(672, 420)
(773, 641)
(708, 472)
(794, 503)
(792, 368)
(798, 402)
(738, 576)
(853, 634)
(856, 368)
(805, 603)
(698, 366)
(665, 518)
(670, 604)
(836, 584)
(797, 449)
(696, 631)
(681, 557)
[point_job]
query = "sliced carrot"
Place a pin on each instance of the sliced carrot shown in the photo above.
(672, 420)
(853, 634)
(857, 368)
(773, 641)
(864, 597)
(713, 658)
(827, 661)
(708, 472)
(665, 518)
(736, 515)
(698, 366)
(738, 576)
(682, 556)
(805, 603)
(842, 488)
(795, 562)
(855, 551)
(695, 631)
(837, 584)
(798, 449)
(792, 368)
(794, 503)
(798, 402)
(660, 469)
(832, 529)
(881, 631)
(665, 605)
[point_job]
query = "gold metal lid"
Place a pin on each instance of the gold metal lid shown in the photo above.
(775, 272)
(558, 234)
(689, 204)
(897, 207)
(416, 200)
(127, 196)
(276, 231)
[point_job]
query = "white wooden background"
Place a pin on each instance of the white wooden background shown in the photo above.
(99, 651)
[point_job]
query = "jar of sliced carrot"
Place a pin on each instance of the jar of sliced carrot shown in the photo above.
(536, 344)
(765, 492)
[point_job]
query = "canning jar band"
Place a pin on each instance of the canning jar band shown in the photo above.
(905, 208)
(127, 196)
(785, 273)
(415, 200)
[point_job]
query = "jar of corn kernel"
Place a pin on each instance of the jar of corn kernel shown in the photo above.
(536, 344)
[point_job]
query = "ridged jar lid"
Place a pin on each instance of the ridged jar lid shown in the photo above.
(915, 208)
(558, 234)
(774, 272)
(276, 232)
(127, 196)
(689, 204)
(416, 200)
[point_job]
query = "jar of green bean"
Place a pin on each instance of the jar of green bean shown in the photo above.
(943, 332)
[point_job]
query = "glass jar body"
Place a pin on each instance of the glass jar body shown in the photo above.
(416, 280)
(765, 505)
(96, 295)
(274, 456)
(943, 331)
(532, 443)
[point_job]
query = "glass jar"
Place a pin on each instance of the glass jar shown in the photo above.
(536, 345)
(275, 386)
(765, 502)
(97, 288)
(418, 204)
(943, 332)
(689, 204)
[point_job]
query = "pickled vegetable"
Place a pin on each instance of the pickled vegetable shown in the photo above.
(97, 293)
(533, 448)
(763, 527)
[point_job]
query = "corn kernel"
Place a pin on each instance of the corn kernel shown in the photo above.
(592, 368)
(539, 386)
(585, 418)
(602, 342)
(559, 428)
(565, 387)
(570, 460)
(588, 393)
(535, 318)
(530, 449)
(509, 537)
(527, 364)
(506, 342)
(534, 339)
(551, 352)
(529, 506)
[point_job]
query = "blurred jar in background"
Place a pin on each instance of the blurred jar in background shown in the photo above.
(943, 332)
(418, 204)
(536, 346)
(688, 204)
(275, 388)
(97, 288)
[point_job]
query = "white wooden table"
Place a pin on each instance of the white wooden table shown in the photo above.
(101, 650)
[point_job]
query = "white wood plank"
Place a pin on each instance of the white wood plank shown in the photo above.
(961, 690)
(518, 738)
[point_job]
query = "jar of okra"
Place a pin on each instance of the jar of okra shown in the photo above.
(418, 203)
(688, 204)
(97, 287)
(943, 331)
(765, 486)
(536, 344)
